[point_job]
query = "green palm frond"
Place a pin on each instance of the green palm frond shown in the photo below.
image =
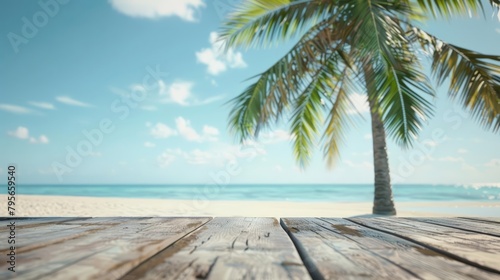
(400, 95)
(448, 8)
(338, 117)
(378, 29)
(474, 78)
(308, 113)
(396, 75)
(263, 22)
(329, 87)
(348, 43)
(265, 99)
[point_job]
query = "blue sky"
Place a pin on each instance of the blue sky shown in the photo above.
(127, 91)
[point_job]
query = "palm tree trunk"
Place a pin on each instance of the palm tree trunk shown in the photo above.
(383, 203)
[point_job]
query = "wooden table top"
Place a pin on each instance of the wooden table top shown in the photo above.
(253, 248)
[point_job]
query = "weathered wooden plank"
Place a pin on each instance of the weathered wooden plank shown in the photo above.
(339, 249)
(469, 247)
(45, 234)
(483, 219)
(24, 223)
(107, 251)
(469, 225)
(228, 248)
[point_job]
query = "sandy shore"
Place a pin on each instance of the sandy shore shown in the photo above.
(44, 206)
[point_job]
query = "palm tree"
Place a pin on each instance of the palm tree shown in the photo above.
(348, 46)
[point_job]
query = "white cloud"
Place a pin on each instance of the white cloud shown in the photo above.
(21, 133)
(209, 58)
(498, 29)
(149, 145)
(216, 60)
(43, 105)
(73, 102)
(184, 9)
(179, 92)
(368, 136)
(15, 109)
(185, 130)
(493, 163)
(161, 130)
(210, 133)
(359, 104)
(43, 139)
(278, 168)
(462, 151)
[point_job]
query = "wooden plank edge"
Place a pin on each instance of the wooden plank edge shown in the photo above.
(450, 226)
(430, 247)
(126, 275)
(479, 219)
(42, 223)
(306, 259)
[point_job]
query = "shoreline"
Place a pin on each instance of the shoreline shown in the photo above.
(83, 206)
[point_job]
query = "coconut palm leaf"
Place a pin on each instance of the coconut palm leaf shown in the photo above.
(308, 111)
(474, 77)
(349, 44)
(448, 8)
(397, 77)
(264, 22)
(338, 118)
(265, 99)
(401, 95)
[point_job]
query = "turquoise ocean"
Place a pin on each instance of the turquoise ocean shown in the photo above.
(263, 192)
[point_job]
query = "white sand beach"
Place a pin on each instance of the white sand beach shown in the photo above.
(66, 206)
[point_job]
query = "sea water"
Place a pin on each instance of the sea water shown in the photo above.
(263, 192)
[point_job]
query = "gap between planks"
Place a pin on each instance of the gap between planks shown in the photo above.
(464, 260)
(340, 249)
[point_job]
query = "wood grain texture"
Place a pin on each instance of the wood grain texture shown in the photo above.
(100, 248)
(482, 219)
(24, 223)
(476, 249)
(254, 248)
(468, 225)
(339, 249)
(228, 248)
(43, 233)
